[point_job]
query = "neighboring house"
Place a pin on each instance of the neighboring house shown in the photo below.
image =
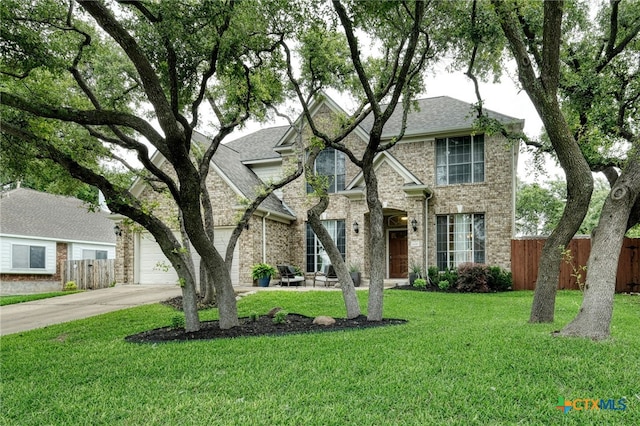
(38, 231)
(448, 195)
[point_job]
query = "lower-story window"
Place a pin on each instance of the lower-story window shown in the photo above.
(460, 239)
(27, 257)
(316, 255)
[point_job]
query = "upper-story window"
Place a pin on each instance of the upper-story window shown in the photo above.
(331, 163)
(27, 257)
(460, 160)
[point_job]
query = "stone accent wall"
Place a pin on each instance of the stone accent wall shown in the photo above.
(124, 262)
(494, 197)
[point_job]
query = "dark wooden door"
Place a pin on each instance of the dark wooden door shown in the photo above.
(398, 254)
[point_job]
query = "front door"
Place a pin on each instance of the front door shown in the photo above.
(398, 254)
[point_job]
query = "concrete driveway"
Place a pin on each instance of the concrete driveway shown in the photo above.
(55, 310)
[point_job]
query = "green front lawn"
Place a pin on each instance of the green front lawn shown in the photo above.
(10, 300)
(461, 359)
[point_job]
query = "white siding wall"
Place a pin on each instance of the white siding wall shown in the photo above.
(75, 251)
(6, 244)
(269, 173)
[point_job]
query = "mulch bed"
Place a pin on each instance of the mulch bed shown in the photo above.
(262, 326)
(412, 288)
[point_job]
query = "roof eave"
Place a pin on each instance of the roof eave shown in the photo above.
(354, 193)
(263, 161)
(272, 214)
(417, 191)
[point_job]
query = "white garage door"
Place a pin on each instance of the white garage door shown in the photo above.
(153, 268)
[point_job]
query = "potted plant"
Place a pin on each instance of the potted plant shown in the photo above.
(263, 273)
(354, 271)
(415, 271)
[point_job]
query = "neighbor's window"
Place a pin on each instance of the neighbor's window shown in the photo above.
(316, 256)
(460, 160)
(331, 163)
(27, 257)
(94, 254)
(460, 239)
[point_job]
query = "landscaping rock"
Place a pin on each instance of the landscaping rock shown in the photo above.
(324, 320)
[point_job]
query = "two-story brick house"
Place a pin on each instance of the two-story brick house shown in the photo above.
(448, 195)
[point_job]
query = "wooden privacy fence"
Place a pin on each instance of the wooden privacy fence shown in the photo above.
(89, 274)
(525, 256)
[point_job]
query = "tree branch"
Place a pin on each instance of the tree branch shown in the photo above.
(148, 76)
(88, 117)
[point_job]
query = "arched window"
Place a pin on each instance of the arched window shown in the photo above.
(331, 163)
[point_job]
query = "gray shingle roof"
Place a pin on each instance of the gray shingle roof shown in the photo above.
(259, 145)
(435, 115)
(229, 161)
(26, 212)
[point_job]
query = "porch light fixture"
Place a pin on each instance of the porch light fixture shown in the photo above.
(356, 227)
(117, 231)
(414, 224)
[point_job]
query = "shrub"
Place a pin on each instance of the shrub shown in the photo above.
(70, 286)
(177, 321)
(280, 317)
(444, 285)
(434, 274)
(499, 279)
(420, 283)
(473, 277)
(451, 276)
(416, 269)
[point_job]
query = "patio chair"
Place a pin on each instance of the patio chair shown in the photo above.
(327, 277)
(288, 276)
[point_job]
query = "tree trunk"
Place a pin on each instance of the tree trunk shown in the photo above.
(579, 189)
(542, 91)
(594, 318)
(215, 264)
(190, 304)
(206, 286)
(344, 277)
(377, 246)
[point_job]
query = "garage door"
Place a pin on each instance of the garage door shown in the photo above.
(153, 268)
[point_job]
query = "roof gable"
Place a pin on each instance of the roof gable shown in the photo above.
(320, 101)
(25, 212)
(228, 163)
(243, 181)
(386, 158)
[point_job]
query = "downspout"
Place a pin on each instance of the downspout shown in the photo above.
(514, 186)
(264, 237)
(426, 232)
